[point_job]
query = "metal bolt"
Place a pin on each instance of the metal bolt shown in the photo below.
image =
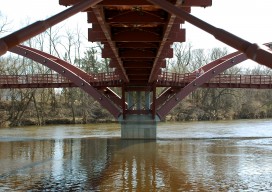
(44, 61)
(25, 53)
(213, 71)
(82, 84)
(232, 61)
(194, 83)
(63, 71)
(176, 99)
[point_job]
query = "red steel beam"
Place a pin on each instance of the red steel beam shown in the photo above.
(38, 27)
(113, 96)
(137, 64)
(68, 2)
(154, 103)
(138, 85)
(201, 3)
(166, 95)
(193, 85)
(139, 76)
(137, 53)
(124, 2)
(186, 3)
(140, 35)
(109, 2)
(137, 71)
(255, 52)
(124, 105)
(76, 75)
(220, 64)
(99, 19)
(136, 17)
(137, 44)
(173, 20)
(107, 51)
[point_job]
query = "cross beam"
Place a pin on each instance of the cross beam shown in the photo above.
(258, 53)
(38, 27)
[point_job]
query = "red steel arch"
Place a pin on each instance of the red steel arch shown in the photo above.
(169, 92)
(76, 75)
(258, 53)
(211, 70)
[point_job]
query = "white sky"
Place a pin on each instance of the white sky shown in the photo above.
(248, 19)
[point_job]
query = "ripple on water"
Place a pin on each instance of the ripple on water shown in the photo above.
(90, 159)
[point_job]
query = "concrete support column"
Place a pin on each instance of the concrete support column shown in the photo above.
(138, 100)
(139, 127)
(130, 99)
(147, 100)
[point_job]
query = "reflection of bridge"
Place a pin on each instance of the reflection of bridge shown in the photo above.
(136, 36)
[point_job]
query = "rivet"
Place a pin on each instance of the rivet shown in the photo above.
(177, 99)
(63, 71)
(44, 61)
(195, 84)
(25, 53)
(100, 98)
(232, 61)
(213, 71)
(82, 84)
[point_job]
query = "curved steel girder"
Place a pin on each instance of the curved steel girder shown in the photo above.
(209, 74)
(113, 96)
(166, 94)
(76, 75)
(218, 61)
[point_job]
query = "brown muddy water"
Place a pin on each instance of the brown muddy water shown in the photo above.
(195, 156)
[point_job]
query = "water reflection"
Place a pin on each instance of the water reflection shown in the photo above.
(97, 164)
(220, 156)
(57, 157)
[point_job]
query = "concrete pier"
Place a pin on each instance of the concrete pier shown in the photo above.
(139, 127)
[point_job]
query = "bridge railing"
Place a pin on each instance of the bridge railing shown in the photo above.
(176, 78)
(33, 78)
(242, 79)
(100, 77)
(53, 78)
(165, 78)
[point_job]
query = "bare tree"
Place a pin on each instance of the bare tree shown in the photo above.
(182, 58)
(4, 24)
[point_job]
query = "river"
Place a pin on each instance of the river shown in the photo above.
(191, 156)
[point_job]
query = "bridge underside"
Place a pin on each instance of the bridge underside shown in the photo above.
(137, 36)
(138, 110)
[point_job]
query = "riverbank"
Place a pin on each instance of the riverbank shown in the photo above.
(56, 121)
(79, 121)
